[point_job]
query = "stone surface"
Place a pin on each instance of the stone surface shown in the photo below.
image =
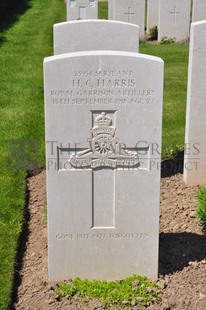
(111, 9)
(174, 19)
(130, 11)
(195, 142)
(103, 134)
(90, 35)
(152, 13)
(82, 9)
(199, 10)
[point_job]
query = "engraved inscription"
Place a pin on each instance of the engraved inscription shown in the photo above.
(103, 88)
(99, 236)
(92, 3)
(105, 150)
(72, 3)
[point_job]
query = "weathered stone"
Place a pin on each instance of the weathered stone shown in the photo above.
(195, 144)
(174, 19)
(199, 10)
(103, 126)
(91, 35)
(82, 9)
(130, 11)
(152, 14)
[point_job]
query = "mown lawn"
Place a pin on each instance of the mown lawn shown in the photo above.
(175, 57)
(23, 45)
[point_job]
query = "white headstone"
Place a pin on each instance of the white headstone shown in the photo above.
(130, 11)
(103, 126)
(199, 10)
(111, 9)
(195, 141)
(91, 35)
(82, 9)
(174, 19)
(152, 14)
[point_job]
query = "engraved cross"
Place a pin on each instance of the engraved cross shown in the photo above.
(102, 158)
(82, 13)
(129, 13)
(174, 15)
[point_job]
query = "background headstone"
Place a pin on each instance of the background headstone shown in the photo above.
(130, 11)
(103, 116)
(174, 19)
(195, 141)
(82, 9)
(111, 8)
(152, 14)
(91, 35)
(199, 10)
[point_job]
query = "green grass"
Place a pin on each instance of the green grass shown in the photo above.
(23, 46)
(175, 57)
(201, 208)
(103, 10)
(121, 293)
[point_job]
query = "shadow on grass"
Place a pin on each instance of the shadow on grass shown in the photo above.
(21, 248)
(12, 16)
(170, 167)
(21, 245)
(178, 249)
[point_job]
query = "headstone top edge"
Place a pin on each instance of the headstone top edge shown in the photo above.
(102, 53)
(93, 21)
(201, 22)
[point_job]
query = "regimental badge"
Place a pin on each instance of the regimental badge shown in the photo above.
(105, 149)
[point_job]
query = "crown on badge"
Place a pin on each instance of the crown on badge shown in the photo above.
(103, 125)
(103, 120)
